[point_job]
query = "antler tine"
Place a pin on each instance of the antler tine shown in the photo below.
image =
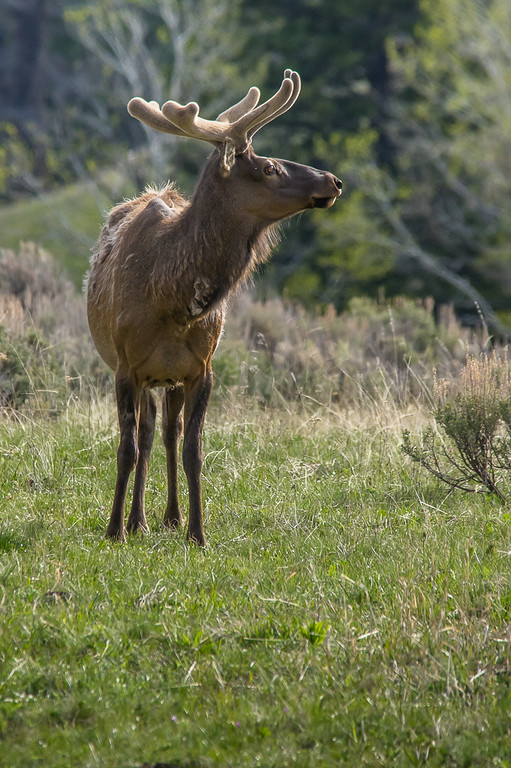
(277, 105)
(149, 112)
(244, 106)
(239, 131)
(187, 119)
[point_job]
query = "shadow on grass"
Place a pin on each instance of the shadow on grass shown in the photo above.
(178, 764)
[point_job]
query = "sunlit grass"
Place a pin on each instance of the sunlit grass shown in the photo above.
(347, 610)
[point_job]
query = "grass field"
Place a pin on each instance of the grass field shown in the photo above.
(346, 612)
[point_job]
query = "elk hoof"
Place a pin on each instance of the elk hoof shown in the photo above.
(137, 526)
(172, 520)
(171, 523)
(115, 534)
(196, 538)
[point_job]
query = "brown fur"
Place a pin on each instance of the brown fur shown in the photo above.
(160, 276)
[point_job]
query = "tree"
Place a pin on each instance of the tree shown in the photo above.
(340, 51)
(64, 105)
(435, 219)
(179, 49)
(22, 81)
(455, 131)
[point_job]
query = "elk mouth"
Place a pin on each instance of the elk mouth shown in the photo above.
(323, 202)
(327, 202)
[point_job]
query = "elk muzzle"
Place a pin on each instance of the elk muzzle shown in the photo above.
(326, 201)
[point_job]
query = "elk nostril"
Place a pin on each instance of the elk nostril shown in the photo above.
(338, 183)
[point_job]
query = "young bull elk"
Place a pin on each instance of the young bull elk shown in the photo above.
(160, 276)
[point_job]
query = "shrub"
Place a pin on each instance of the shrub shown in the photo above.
(375, 352)
(45, 350)
(471, 449)
(374, 349)
(29, 368)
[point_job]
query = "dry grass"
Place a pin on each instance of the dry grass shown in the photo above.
(273, 351)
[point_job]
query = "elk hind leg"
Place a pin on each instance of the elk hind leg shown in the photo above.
(172, 422)
(137, 519)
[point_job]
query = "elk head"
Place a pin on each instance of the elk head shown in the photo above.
(268, 188)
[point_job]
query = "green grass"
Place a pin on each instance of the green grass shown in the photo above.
(347, 611)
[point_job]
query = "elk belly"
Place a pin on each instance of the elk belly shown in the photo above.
(167, 364)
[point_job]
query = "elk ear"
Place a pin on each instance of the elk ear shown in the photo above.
(228, 152)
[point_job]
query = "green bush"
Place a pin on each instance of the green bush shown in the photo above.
(470, 448)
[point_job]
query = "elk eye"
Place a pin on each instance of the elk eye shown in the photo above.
(270, 168)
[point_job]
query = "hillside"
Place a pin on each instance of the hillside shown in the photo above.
(64, 222)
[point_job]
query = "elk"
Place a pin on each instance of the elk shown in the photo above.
(159, 279)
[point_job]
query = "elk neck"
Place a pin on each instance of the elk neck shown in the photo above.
(228, 243)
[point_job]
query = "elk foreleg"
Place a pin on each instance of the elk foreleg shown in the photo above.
(172, 424)
(137, 519)
(127, 453)
(196, 401)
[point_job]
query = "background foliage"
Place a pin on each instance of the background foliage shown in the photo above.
(408, 102)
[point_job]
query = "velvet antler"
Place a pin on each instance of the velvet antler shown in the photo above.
(236, 125)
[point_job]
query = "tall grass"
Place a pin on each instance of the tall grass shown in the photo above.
(271, 350)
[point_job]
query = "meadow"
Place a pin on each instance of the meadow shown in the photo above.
(349, 609)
